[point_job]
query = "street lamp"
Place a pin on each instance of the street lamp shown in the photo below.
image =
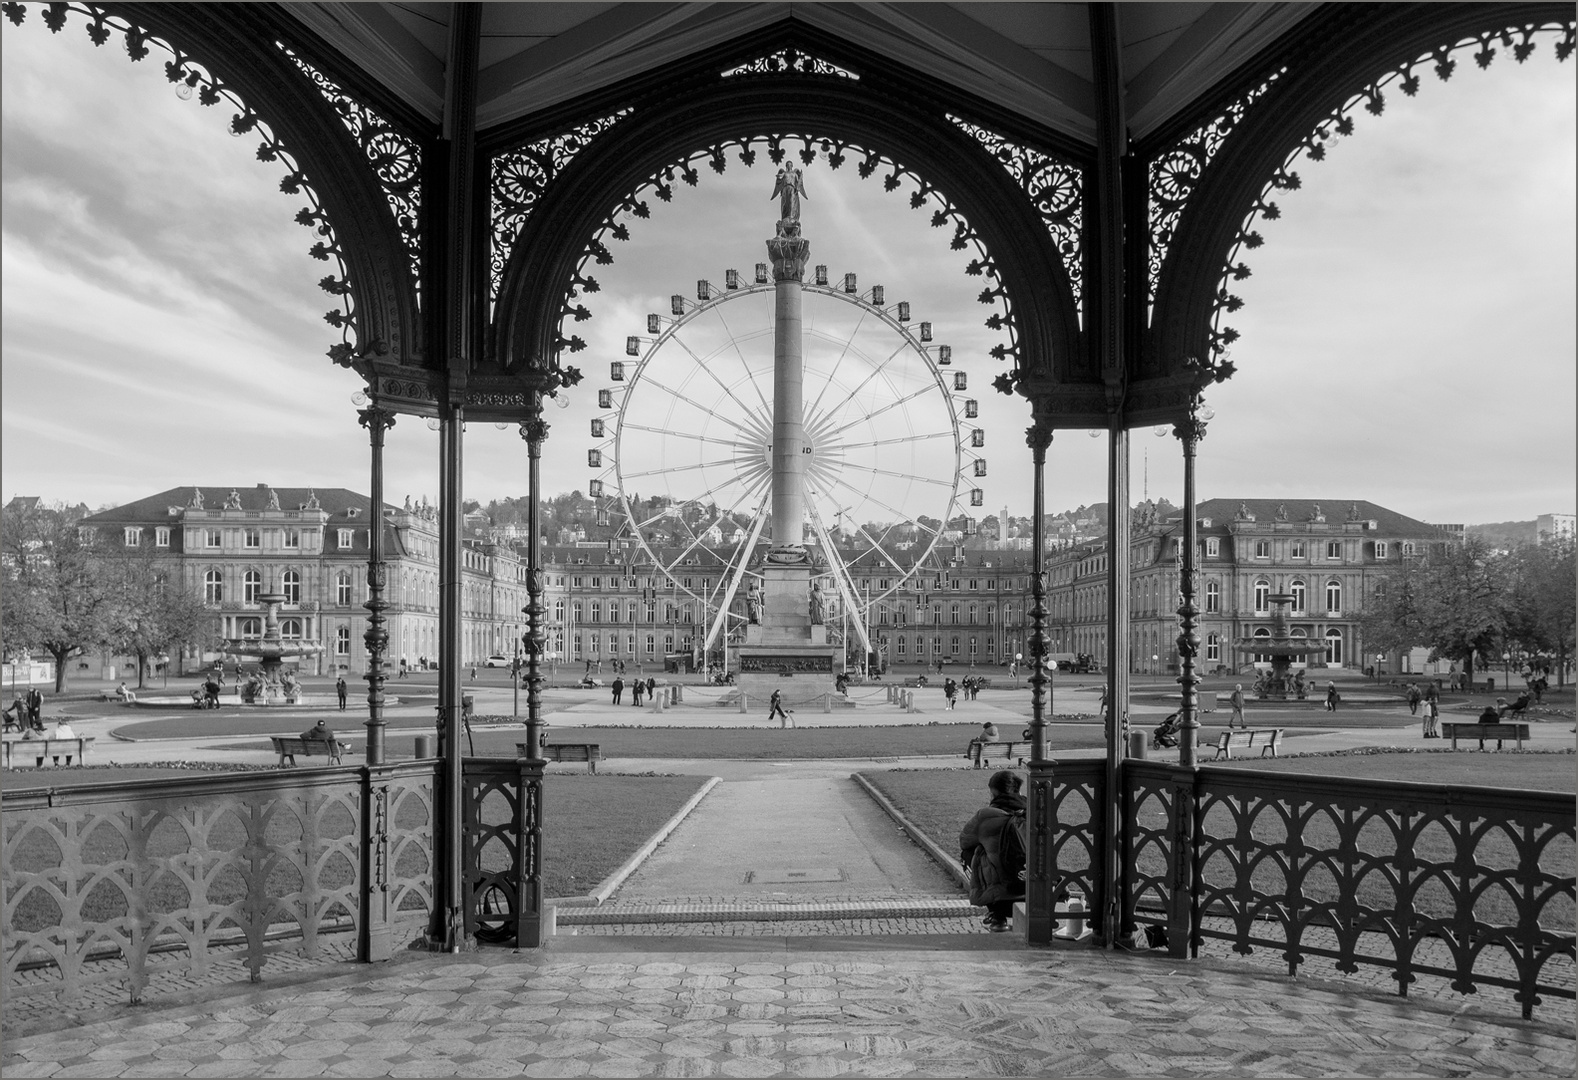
(1189, 431)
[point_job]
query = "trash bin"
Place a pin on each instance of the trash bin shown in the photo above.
(1490, 685)
(424, 746)
(1137, 745)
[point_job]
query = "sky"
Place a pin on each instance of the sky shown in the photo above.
(1408, 334)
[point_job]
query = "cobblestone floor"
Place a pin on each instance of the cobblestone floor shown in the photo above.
(921, 1007)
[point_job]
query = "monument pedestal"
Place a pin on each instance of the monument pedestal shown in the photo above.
(786, 652)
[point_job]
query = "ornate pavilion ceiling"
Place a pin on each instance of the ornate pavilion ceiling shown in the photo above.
(1029, 58)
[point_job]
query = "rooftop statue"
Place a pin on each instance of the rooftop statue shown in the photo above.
(233, 502)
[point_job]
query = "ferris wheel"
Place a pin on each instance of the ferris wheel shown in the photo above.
(682, 444)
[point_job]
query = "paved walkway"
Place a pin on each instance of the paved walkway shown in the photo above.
(800, 1007)
(800, 971)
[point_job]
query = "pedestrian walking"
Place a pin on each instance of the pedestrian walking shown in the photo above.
(1236, 699)
(950, 690)
(992, 847)
(619, 688)
(635, 692)
(1332, 697)
(651, 687)
(404, 663)
(340, 689)
(1414, 699)
(776, 703)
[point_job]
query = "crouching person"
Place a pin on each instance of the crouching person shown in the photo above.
(992, 848)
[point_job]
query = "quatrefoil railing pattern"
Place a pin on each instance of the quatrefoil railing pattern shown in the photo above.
(138, 885)
(1078, 838)
(1470, 885)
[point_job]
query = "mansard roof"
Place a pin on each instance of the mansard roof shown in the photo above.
(338, 503)
(1224, 513)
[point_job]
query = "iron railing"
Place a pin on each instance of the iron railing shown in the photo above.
(1474, 885)
(124, 884)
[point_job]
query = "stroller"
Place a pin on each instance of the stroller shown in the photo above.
(1166, 734)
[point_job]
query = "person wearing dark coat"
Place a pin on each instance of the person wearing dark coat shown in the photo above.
(619, 689)
(992, 885)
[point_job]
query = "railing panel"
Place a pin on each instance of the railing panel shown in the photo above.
(111, 890)
(502, 805)
(1150, 829)
(1078, 840)
(1473, 885)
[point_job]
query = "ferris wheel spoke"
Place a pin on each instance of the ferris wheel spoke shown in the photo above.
(896, 439)
(876, 372)
(878, 548)
(713, 375)
(687, 399)
(669, 469)
(745, 364)
(889, 407)
(686, 435)
(695, 541)
(900, 475)
(848, 343)
(895, 511)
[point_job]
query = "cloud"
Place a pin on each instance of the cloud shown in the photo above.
(1407, 335)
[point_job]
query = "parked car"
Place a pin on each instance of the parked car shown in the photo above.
(498, 660)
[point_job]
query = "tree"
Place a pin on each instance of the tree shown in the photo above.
(1453, 600)
(1543, 613)
(56, 597)
(152, 612)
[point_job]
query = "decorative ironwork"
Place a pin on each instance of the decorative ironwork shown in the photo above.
(1054, 187)
(1175, 174)
(502, 859)
(396, 160)
(518, 179)
(835, 152)
(1465, 884)
(409, 388)
(790, 60)
(196, 877)
(1520, 40)
(189, 78)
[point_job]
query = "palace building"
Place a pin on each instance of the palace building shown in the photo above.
(1328, 556)
(232, 545)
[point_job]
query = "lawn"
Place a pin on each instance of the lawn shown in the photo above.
(755, 743)
(592, 825)
(940, 802)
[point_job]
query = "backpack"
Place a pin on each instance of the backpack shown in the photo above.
(1013, 850)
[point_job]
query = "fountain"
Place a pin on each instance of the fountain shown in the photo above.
(1276, 684)
(272, 683)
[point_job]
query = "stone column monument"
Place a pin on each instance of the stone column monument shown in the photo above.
(786, 645)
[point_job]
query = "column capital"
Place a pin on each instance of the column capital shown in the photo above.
(789, 256)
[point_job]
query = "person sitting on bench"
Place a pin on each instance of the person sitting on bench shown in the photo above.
(319, 732)
(1520, 703)
(1490, 715)
(125, 694)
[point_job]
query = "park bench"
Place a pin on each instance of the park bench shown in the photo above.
(977, 749)
(1503, 730)
(916, 681)
(288, 747)
(591, 753)
(54, 749)
(1248, 739)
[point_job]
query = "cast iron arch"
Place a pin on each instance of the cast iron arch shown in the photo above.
(235, 44)
(551, 248)
(1301, 110)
